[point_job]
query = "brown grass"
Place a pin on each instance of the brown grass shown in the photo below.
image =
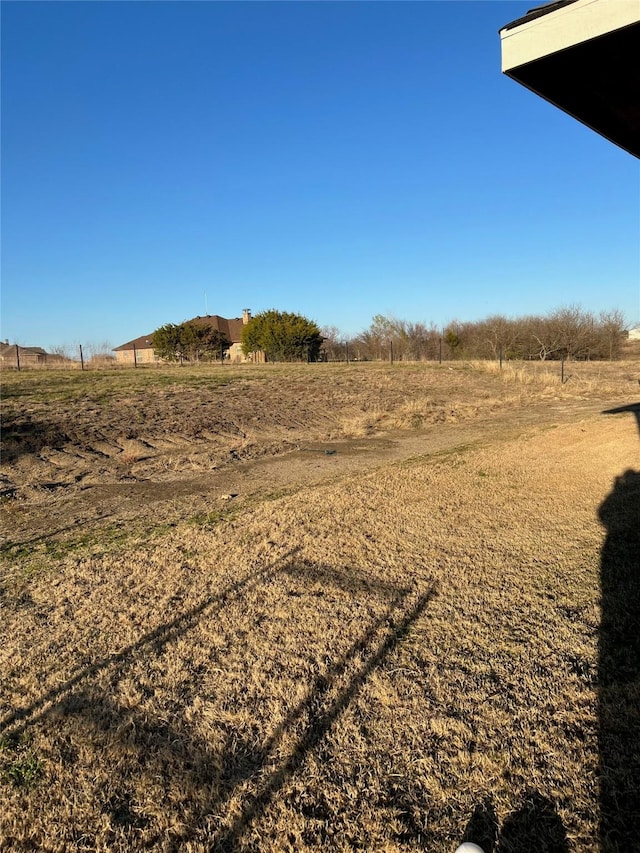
(358, 663)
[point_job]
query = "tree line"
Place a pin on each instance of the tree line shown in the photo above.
(569, 333)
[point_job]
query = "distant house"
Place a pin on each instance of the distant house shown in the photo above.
(138, 351)
(141, 351)
(13, 355)
(634, 334)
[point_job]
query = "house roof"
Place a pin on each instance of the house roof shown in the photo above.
(230, 329)
(10, 348)
(581, 56)
(143, 342)
(538, 12)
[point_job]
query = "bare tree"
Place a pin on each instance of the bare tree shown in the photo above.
(568, 332)
(334, 345)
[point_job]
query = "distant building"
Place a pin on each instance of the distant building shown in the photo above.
(138, 351)
(13, 355)
(141, 351)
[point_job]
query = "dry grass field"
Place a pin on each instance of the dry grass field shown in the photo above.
(321, 607)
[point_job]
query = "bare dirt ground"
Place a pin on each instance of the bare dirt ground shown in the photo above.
(320, 607)
(78, 449)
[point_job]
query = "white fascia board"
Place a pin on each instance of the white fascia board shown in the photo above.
(564, 28)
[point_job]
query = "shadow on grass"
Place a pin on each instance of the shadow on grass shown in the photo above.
(208, 793)
(212, 796)
(632, 408)
(322, 708)
(534, 826)
(482, 828)
(151, 759)
(619, 667)
(152, 642)
(346, 579)
(619, 661)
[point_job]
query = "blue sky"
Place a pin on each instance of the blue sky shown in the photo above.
(164, 160)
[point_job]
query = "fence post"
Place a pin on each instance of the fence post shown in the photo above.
(346, 347)
(391, 351)
(81, 358)
(440, 349)
(562, 370)
(17, 356)
(500, 358)
(135, 356)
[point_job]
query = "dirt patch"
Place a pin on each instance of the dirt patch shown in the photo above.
(105, 444)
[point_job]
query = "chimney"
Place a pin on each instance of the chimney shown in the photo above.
(246, 316)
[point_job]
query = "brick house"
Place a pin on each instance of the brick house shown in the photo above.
(138, 351)
(141, 351)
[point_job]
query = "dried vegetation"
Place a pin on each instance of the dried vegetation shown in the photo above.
(356, 660)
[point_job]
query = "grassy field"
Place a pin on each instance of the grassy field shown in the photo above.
(321, 607)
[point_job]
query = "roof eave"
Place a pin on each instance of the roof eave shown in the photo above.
(581, 57)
